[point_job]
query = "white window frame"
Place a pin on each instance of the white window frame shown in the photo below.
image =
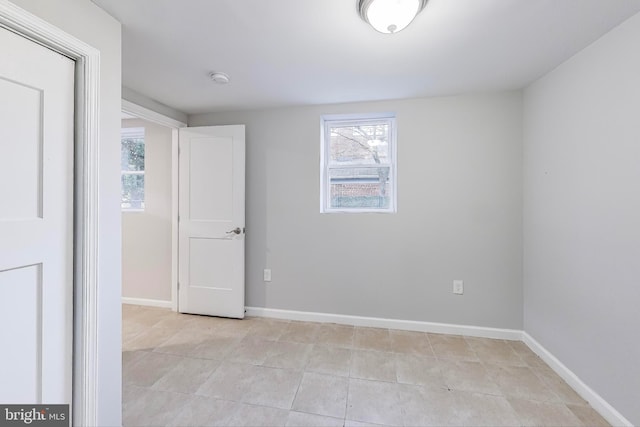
(133, 133)
(328, 120)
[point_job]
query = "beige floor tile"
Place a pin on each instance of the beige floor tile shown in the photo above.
(238, 327)
(258, 416)
(131, 357)
(373, 365)
(409, 342)
(495, 351)
(559, 387)
(534, 361)
(218, 327)
(215, 326)
(374, 402)
(300, 419)
(521, 348)
(153, 408)
(451, 347)
(272, 387)
(182, 343)
(303, 332)
(149, 339)
(520, 382)
(527, 355)
(353, 423)
(461, 375)
(418, 370)
(322, 395)
(251, 350)
(475, 409)
(288, 355)
(150, 368)
(187, 376)
(542, 370)
(427, 406)
(535, 413)
(149, 316)
(192, 355)
(230, 381)
(176, 322)
(372, 339)
(204, 411)
(130, 395)
(330, 360)
(131, 329)
(215, 347)
(336, 335)
(588, 416)
(131, 309)
(267, 329)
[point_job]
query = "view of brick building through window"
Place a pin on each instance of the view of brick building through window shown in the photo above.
(359, 164)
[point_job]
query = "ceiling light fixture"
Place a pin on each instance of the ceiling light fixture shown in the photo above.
(220, 78)
(390, 16)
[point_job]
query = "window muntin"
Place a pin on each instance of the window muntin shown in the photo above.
(132, 152)
(358, 164)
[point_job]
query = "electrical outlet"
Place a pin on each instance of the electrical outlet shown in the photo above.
(458, 287)
(267, 275)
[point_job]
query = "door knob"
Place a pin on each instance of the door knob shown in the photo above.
(236, 230)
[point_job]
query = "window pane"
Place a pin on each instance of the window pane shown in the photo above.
(359, 144)
(132, 154)
(359, 188)
(132, 190)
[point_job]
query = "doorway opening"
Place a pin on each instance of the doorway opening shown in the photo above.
(150, 216)
(146, 172)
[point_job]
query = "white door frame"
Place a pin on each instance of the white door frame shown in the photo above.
(86, 192)
(160, 119)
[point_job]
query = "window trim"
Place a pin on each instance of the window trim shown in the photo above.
(133, 133)
(329, 120)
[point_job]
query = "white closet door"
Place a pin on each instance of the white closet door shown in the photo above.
(36, 222)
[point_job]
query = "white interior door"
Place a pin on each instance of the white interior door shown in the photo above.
(211, 221)
(36, 222)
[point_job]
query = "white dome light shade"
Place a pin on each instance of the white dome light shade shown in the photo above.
(390, 16)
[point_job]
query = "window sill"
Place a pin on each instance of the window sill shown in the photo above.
(358, 211)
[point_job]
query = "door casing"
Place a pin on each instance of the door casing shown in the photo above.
(86, 197)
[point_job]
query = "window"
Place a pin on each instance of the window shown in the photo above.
(132, 167)
(358, 165)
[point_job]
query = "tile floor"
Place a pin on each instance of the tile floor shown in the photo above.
(183, 370)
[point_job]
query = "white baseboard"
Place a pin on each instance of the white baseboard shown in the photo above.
(148, 302)
(375, 322)
(601, 406)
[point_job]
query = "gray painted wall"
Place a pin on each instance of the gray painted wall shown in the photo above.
(582, 215)
(146, 236)
(459, 215)
(89, 23)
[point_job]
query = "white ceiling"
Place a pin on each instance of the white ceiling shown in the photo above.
(295, 52)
